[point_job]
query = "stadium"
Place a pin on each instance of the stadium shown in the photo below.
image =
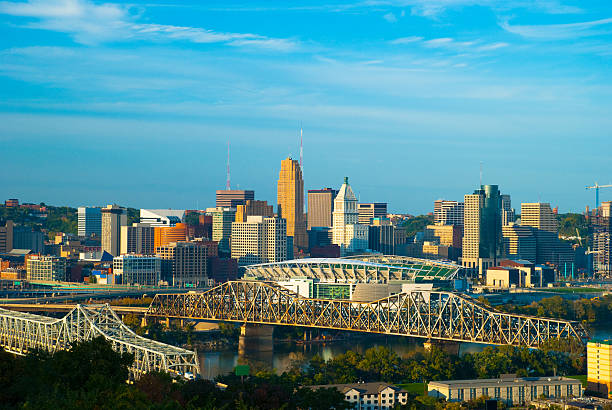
(357, 269)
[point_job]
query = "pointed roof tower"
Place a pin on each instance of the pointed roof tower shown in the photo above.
(346, 192)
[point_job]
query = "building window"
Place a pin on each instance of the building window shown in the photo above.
(485, 391)
(472, 394)
(497, 395)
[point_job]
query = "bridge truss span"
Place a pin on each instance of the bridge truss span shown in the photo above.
(21, 333)
(433, 315)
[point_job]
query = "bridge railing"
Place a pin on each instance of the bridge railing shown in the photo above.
(423, 314)
(21, 333)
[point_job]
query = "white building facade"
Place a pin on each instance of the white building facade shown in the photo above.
(138, 269)
(347, 233)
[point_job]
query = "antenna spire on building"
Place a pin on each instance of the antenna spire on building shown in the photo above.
(480, 173)
(301, 150)
(227, 183)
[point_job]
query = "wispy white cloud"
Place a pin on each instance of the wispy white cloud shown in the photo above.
(560, 31)
(493, 46)
(89, 23)
(434, 8)
(390, 17)
(437, 42)
(448, 43)
(406, 40)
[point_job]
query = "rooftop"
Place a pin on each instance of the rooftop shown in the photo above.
(505, 379)
(363, 388)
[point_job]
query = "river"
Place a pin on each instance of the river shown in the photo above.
(283, 354)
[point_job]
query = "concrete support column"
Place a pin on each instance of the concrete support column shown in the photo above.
(256, 338)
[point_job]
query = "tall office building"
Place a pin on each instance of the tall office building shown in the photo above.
(384, 237)
(113, 218)
(290, 195)
(253, 208)
(25, 237)
(348, 234)
(162, 217)
(448, 212)
(138, 238)
(187, 263)
(507, 211)
(367, 212)
(233, 198)
(540, 216)
(222, 227)
(482, 233)
(89, 221)
(259, 240)
(549, 249)
(6, 237)
(519, 242)
(600, 228)
(321, 207)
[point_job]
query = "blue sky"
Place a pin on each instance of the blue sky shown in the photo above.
(134, 103)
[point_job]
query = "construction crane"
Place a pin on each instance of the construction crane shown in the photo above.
(596, 188)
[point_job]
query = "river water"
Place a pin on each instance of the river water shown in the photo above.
(281, 357)
(284, 354)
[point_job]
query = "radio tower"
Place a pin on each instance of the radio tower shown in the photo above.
(301, 152)
(227, 183)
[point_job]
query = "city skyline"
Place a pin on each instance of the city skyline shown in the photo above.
(134, 104)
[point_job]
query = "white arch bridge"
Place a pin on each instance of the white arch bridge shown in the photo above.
(21, 333)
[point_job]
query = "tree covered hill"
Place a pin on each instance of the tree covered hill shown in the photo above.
(50, 218)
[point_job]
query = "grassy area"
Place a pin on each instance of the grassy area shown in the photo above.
(418, 388)
(573, 290)
(582, 378)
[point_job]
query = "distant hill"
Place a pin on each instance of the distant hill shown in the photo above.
(50, 218)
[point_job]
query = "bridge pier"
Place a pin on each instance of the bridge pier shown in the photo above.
(445, 345)
(255, 338)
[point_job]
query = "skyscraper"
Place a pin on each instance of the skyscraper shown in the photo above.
(290, 195)
(6, 236)
(138, 238)
(259, 240)
(482, 233)
(601, 232)
(348, 234)
(222, 227)
(549, 249)
(507, 211)
(369, 211)
(448, 212)
(320, 207)
(540, 216)
(89, 220)
(234, 197)
(113, 218)
(519, 242)
(187, 263)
